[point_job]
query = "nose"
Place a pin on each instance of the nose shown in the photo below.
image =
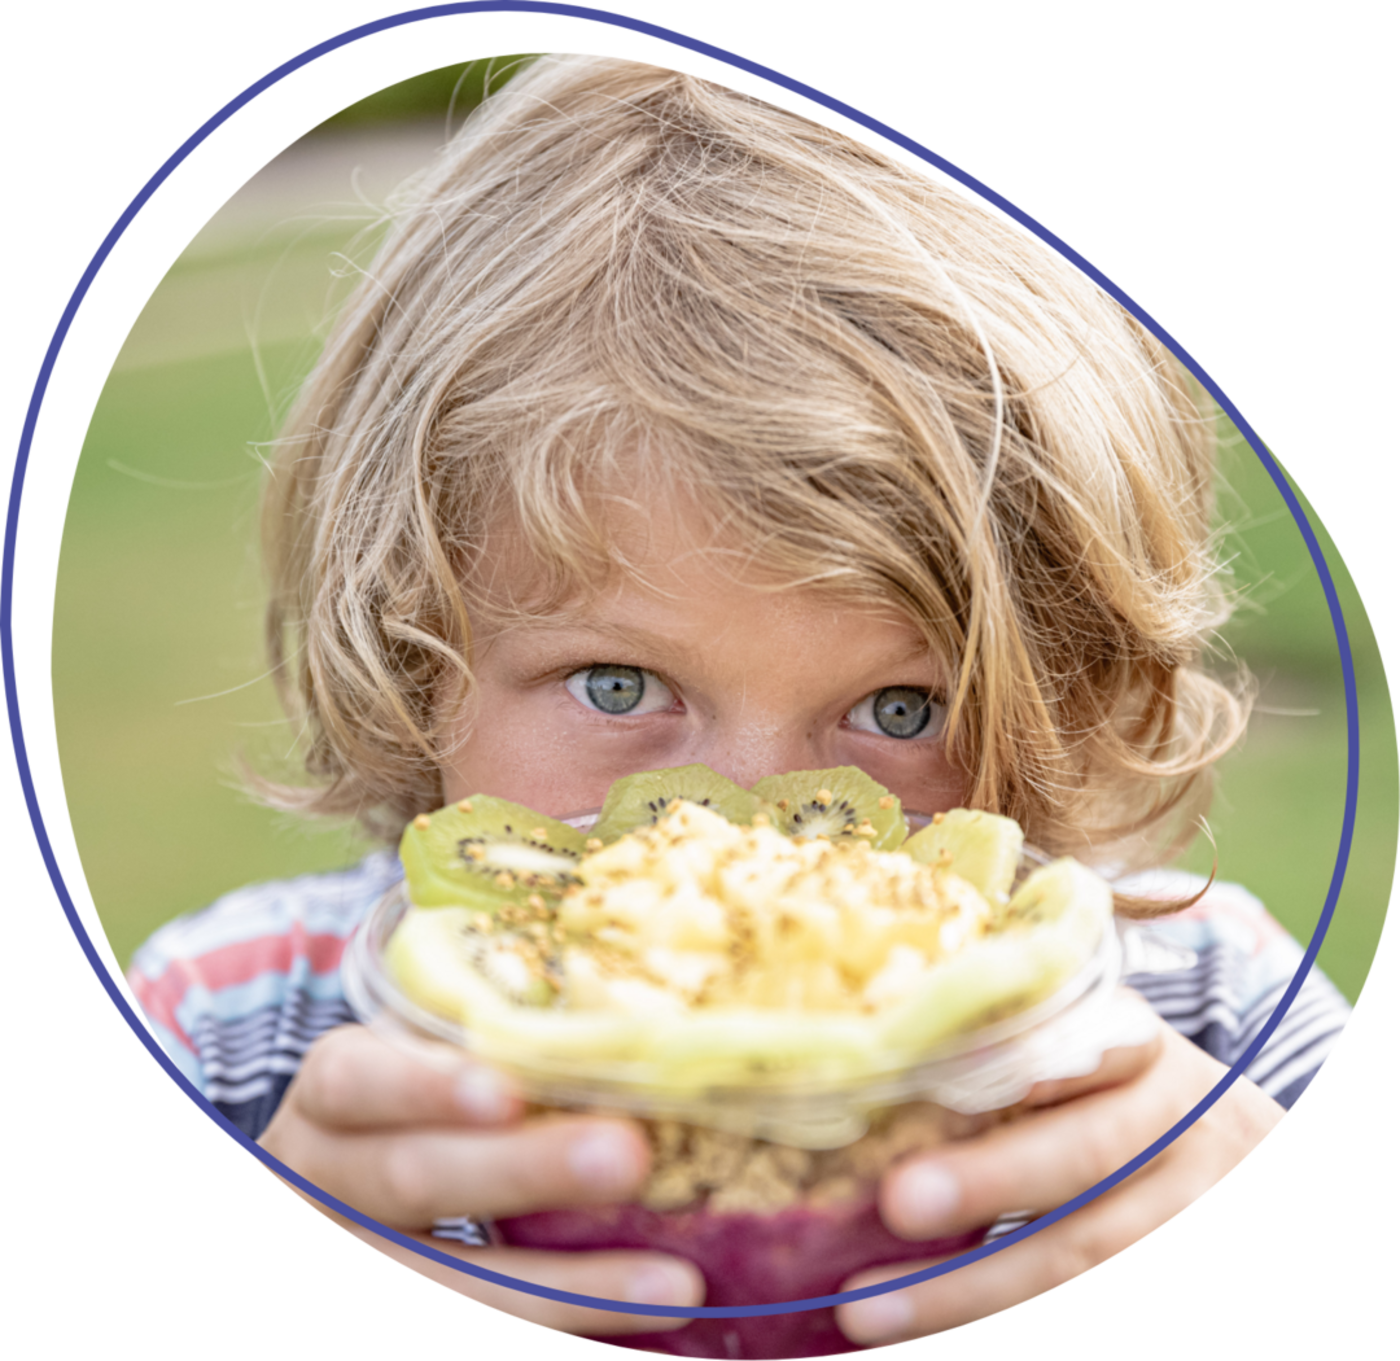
(750, 751)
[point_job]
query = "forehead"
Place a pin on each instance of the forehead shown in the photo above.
(685, 597)
(653, 553)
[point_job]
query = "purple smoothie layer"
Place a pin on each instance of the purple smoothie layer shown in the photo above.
(796, 1253)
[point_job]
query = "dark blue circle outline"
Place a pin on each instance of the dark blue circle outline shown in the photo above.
(874, 125)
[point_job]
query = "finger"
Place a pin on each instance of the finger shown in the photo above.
(1035, 1164)
(354, 1079)
(629, 1277)
(412, 1178)
(1117, 1067)
(897, 1314)
(1050, 1257)
(1138, 1033)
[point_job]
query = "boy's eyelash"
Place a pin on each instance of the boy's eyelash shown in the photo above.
(564, 672)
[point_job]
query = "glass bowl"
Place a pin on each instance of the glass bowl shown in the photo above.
(768, 1187)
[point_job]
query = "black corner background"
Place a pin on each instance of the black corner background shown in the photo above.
(1197, 212)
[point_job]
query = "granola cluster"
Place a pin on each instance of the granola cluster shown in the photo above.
(695, 1167)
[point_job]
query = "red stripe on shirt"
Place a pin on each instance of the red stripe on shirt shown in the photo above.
(231, 965)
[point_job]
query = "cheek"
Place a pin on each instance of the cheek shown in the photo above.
(945, 788)
(535, 749)
(510, 754)
(920, 773)
(936, 786)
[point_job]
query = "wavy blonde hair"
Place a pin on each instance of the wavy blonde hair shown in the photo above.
(620, 277)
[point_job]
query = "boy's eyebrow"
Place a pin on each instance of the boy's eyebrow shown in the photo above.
(548, 632)
(579, 635)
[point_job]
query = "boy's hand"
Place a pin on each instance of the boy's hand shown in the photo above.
(409, 1142)
(1083, 1131)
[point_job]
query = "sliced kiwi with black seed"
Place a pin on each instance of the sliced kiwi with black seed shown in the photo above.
(839, 804)
(641, 800)
(488, 853)
(983, 848)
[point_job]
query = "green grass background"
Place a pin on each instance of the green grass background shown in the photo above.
(159, 681)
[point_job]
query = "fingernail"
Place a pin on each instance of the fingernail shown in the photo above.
(661, 1283)
(604, 1160)
(928, 1197)
(882, 1318)
(482, 1095)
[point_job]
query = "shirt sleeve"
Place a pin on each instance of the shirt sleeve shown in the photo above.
(237, 993)
(1244, 964)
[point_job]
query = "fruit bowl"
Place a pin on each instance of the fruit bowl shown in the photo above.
(770, 1119)
(802, 1237)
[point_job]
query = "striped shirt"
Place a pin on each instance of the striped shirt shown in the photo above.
(237, 993)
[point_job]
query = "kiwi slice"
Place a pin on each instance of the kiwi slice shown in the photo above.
(641, 800)
(1053, 924)
(982, 848)
(488, 853)
(842, 803)
(452, 958)
(1064, 893)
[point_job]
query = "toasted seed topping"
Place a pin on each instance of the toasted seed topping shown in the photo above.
(465, 806)
(422, 822)
(887, 801)
(700, 912)
(824, 797)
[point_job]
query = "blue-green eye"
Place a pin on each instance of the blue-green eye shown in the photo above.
(903, 711)
(614, 689)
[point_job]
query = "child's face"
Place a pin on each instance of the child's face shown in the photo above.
(703, 664)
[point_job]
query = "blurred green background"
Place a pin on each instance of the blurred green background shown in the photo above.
(158, 678)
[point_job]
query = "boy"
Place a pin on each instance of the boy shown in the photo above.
(661, 393)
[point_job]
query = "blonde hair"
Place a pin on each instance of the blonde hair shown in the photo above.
(620, 276)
